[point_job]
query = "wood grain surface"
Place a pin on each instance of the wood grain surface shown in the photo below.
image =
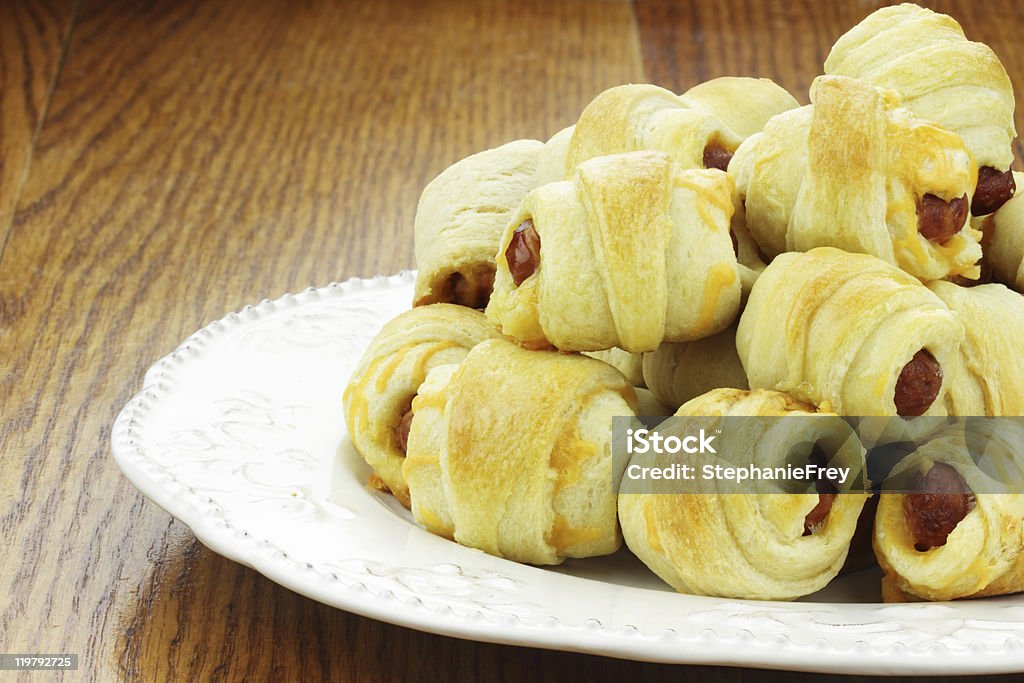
(33, 37)
(166, 162)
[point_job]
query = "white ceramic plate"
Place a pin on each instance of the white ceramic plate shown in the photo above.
(240, 435)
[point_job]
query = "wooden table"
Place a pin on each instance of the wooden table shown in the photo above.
(163, 163)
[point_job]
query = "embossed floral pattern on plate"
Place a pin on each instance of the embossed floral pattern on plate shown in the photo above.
(239, 434)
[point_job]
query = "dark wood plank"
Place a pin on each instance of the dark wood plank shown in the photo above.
(32, 38)
(197, 157)
(285, 633)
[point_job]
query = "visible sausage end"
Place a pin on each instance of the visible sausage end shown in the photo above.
(994, 189)
(827, 492)
(716, 156)
(939, 220)
(943, 502)
(523, 252)
(402, 431)
(918, 385)
(818, 513)
(472, 291)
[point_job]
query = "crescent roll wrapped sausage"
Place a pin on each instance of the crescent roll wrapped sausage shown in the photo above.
(510, 453)
(855, 171)
(379, 394)
(695, 129)
(460, 217)
(1005, 251)
(942, 77)
(953, 537)
(631, 252)
(678, 372)
(699, 129)
(849, 333)
(989, 377)
(766, 546)
(743, 104)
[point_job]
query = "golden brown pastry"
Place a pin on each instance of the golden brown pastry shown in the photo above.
(700, 129)
(856, 171)
(510, 453)
(989, 377)
(752, 545)
(459, 220)
(849, 333)
(678, 372)
(942, 77)
(631, 252)
(743, 104)
(1004, 252)
(379, 394)
(954, 537)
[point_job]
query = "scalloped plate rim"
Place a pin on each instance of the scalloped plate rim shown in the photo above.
(584, 638)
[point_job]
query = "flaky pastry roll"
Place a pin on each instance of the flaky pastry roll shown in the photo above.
(988, 378)
(379, 394)
(695, 129)
(849, 333)
(742, 103)
(1005, 248)
(510, 453)
(678, 372)
(954, 537)
(631, 252)
(856, 171)
(699, 129)
(459, 220)
(766, 546)
(942, 77)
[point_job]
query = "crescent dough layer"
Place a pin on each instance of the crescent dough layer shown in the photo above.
(988, 378)
(744, 105)
(941, 76)
(510, 453)
(678, 372)
(634, 252)
(984, 553)
(849, 171)
(836, 330)
(741, 103)
(1005, 252)
(552, 160)
(632, 118)
(460, 217)
(390, 372)
(629, 118)
(748, 545)
(629, 364)
(721, 112)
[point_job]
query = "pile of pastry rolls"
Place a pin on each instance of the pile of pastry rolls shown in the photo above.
(723, 252)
